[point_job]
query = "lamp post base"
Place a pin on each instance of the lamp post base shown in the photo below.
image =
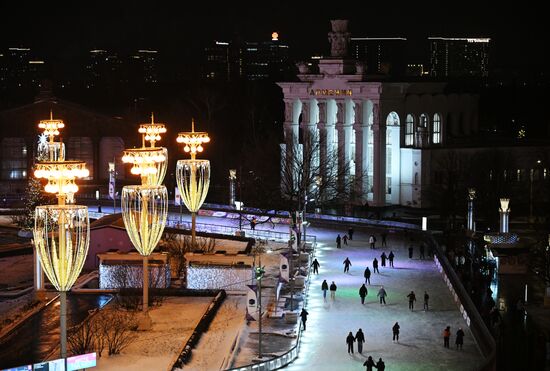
(145, 323)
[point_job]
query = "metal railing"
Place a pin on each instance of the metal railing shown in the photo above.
(290, 356)
(484, 339)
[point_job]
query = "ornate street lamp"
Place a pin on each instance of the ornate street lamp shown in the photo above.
(193, 176)
(61, 232)
(145, 206)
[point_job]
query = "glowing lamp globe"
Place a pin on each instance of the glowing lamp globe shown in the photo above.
(144, 211)
(61, 237)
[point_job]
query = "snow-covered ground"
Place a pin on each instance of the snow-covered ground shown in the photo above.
(154, 350)
(215, 345)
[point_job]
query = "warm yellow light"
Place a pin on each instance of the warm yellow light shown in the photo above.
(51, 127)
(193, 179)
(193, 140)
(274, 36)
(61, 175)
(149, 163)
(151, 131)
(144, 211)
(61, 236)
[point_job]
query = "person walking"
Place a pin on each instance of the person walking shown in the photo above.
(395, 330)
(383, 258)
(380, 365)
(382, 295)
(459, 338)
(360, 338)
(426, 298)
(350, 340)
(367, 275)
(324, 287)
(338, 241)
(372, 241)
(363, 292)
(347, 264)
(446, 336)
(333, 290)
(369, 363)
(410, 251)
(422, 251)
(315, 266)
(412, 299)
(390, 258)
(253, 223)
(350, 233)
(375, 266)
(345, 239)
(303, 315)
(384, 235)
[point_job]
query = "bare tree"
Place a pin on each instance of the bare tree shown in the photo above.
(309, 170)
(306, 170)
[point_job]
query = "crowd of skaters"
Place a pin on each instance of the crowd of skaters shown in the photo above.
(382, 294)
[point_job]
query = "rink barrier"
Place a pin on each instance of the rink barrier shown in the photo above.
(483, 337)
(291, 355)
(185, 352)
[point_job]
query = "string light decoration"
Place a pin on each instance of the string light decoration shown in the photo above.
(148, 162)
(193, 176)
(61, 232)
(145, 206)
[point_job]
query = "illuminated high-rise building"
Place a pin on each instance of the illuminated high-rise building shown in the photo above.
(143, 67)
(216, 64)
(250, 60)
(18, 69)
(103, 69)
(383, 55)
(266, 60)
(459, 57)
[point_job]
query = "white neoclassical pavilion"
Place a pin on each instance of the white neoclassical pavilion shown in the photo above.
(379, 130)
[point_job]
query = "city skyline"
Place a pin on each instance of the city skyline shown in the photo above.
(70, 30)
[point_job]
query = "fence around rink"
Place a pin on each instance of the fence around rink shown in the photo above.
(484, 339)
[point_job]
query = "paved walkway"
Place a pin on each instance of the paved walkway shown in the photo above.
(420, 345)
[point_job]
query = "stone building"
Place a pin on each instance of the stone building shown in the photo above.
(89, 136)
(378, 130)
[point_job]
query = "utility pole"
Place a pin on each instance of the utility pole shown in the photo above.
(259, 275)
(290, 267)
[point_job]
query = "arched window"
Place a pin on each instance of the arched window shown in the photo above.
(392, 119)
(409, 131)
(424, 120)
(436, 129)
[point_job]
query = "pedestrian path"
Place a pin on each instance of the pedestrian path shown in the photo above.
(420, 345)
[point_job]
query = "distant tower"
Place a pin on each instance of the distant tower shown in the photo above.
(339, 38)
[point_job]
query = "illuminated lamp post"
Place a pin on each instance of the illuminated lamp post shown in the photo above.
(61, 232)
(504, 211)
(470, 217)
(193, 176)
(145, 206)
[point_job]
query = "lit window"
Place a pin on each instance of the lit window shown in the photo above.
(409, 131)
(436, 132)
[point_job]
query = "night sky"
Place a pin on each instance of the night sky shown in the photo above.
(74, 28)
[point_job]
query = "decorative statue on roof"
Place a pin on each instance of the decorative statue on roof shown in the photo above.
(339, 38)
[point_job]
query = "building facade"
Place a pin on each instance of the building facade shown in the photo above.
(459, 57)
(89, 136)
(377, 130)
(383, 55)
